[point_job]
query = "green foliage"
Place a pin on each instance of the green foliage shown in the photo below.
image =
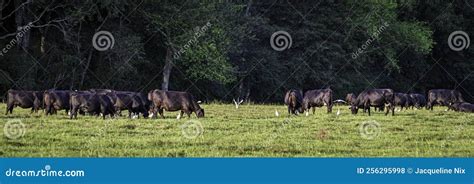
(232, 56)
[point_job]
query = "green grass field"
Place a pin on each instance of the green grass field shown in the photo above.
(250, 131)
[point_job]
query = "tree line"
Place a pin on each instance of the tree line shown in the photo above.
(220, 50)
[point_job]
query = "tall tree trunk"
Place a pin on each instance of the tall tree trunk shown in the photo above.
(242, 82)
(247, 11)
(167, 69)
(21, 20)
(86, 69)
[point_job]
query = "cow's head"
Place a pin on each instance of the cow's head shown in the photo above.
(200, 113)
(354, 109)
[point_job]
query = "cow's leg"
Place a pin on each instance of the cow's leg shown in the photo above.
(367, 106)
(289, 110)
(160, 111)
(329, 108)
(9, 108)
(154, 111)
(73, 112)
(188, 112)
(314, 109)
(393, 109)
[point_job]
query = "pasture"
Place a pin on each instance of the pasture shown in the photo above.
(250, 131)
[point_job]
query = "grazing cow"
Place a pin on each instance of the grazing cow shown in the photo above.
(134, 102)
(140, 104)
(374, 98)
(55, 100)
(418, 100)
(317, 98)
(462, 107)
(443, 97)
(294, 100)
(23, 99)
(402, 100)
(100, 104)
(123, 100)
(78, 101)
(174, 101)
(350, 97)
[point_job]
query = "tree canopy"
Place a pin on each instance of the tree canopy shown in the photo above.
(220, 50)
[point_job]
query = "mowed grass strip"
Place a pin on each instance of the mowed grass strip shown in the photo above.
(250, 131)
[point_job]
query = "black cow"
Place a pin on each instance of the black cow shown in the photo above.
(55, 100)
(317, 98)
(418, 100)
(443, 97)
(462, 107)
(402, 100)
(100, 104)
(78, 101)
(141, 104)
(374, 98)
(174, 101)
(23, 99)
(123, 100)
(294, 100)
(350, 97)
(134, 102)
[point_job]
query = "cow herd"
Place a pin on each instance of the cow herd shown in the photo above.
(104, 102)
(378, 98)
(107, 102)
